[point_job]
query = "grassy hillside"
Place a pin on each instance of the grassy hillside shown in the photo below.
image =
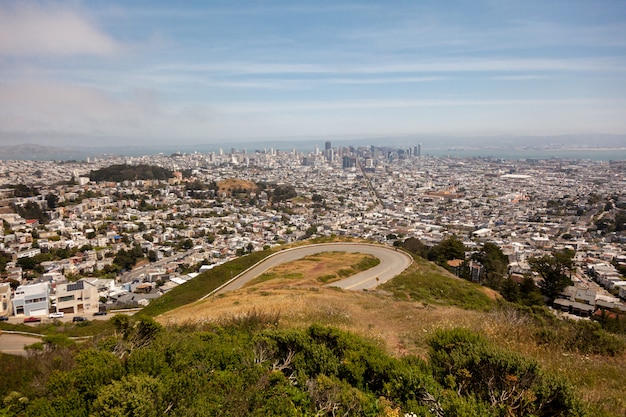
(427, 319)
(203, 284)
(427, 283)
(212, 279)
(402, 315)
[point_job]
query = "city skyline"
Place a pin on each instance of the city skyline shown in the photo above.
(157, 73)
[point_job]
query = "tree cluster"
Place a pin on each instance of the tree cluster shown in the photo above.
(555, 270)
(124, 172)
(22, 190)
(495, 264)
(283, 192)
(30, 210)
(126, 259)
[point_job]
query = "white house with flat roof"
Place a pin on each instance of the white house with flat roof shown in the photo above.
(32, 299)
(77, 297)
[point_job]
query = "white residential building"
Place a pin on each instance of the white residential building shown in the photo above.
(77, 297)
(32, 300)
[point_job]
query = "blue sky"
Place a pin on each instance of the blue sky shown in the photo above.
(150, 73)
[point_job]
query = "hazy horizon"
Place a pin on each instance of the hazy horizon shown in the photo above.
(602, 148)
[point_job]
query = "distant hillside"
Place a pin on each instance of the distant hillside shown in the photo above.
(33, 151)
(118, 173)
(236, 186)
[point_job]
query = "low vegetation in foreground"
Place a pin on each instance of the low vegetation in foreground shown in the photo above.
(252, 366)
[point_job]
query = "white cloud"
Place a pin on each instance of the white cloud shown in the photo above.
(475, 65)
(30, 29)
(36, 106)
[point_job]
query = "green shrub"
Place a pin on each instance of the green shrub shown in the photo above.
(513, 385)
(583, 336)
(589, 337)
(249, 366)
(133, 395)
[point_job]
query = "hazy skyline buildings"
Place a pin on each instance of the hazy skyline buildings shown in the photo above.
(163, 73)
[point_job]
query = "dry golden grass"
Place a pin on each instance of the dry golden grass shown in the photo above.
(404, 327)
(400, 327)
(232, 184)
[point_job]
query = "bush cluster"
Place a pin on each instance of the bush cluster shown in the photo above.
(249, 366)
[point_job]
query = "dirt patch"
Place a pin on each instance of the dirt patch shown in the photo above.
(493, 294)
(314, 270)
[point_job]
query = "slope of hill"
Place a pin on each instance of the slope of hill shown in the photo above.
(426, 343)
(402, 316)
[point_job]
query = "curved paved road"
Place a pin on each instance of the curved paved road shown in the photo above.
(14, 343)
(392, 262)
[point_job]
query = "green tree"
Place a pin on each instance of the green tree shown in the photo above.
(530, 294)
(30, 210)
(22, 190)
(310, 231)
(283, 192)
(52, 200)
(27, 263)
(555, 270)
(414, 245)
(510, 290)
(448, 249)
(495, 263)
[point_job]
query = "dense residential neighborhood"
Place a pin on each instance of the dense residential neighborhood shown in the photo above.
(75, 245)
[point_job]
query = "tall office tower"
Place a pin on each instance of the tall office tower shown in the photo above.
(328, 151)
(419, 150)
(414, 150)
(348, 162)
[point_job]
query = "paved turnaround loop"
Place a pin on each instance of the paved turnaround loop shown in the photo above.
(392, 263)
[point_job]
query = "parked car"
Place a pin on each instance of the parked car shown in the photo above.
(79, 318)
(4, 318)
(100, 313)
(32, 319)
(57, 315)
